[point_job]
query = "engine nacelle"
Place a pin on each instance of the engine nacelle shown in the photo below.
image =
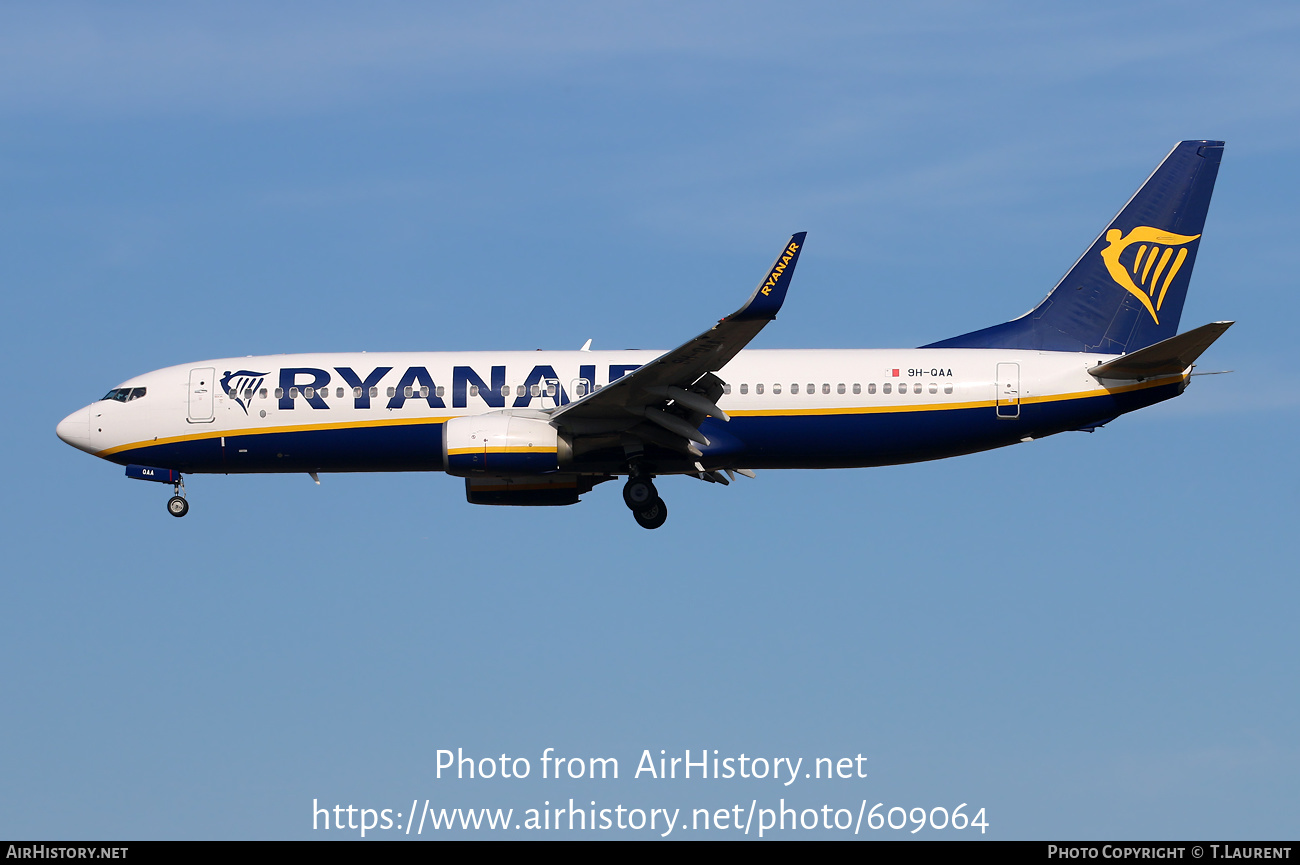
(553, 489)
(500, 443)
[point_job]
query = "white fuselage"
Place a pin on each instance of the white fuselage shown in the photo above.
(789, 408)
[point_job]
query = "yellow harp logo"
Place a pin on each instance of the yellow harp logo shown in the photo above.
(1140, 274)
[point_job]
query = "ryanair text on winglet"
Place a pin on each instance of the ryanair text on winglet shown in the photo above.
(772, 277)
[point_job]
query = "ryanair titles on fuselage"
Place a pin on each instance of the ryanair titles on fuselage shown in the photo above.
(417, 383)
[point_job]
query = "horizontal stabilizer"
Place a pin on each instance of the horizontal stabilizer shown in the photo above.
(1167, 357)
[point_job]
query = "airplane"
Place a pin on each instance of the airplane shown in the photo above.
(544, 428)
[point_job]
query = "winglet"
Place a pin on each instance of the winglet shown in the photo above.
(766, 300)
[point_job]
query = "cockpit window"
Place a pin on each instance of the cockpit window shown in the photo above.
(124, 394)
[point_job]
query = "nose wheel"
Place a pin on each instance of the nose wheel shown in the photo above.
(641, 497)
(177, 505)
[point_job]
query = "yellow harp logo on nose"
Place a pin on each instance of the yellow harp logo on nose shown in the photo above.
(1140, 274)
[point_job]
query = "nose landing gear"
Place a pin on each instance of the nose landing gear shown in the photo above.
(641, 497)
(177, 505)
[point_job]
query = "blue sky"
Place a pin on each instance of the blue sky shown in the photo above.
(1090, 636)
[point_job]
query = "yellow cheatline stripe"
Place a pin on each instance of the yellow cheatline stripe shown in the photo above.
(883, 409)
(309, 427)
(512, 450)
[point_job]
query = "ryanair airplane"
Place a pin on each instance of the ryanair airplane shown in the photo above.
(543, 428)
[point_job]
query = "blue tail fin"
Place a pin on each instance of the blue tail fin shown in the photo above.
(1127, 290)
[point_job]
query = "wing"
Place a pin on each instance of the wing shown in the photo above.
(665, 401)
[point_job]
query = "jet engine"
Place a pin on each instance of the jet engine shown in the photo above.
(498, 444)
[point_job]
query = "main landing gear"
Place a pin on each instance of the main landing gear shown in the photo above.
(641, 497)
(177, 505)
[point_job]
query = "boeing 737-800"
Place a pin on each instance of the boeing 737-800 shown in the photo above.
(543, 428)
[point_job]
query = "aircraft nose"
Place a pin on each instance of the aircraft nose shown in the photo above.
(75, 429)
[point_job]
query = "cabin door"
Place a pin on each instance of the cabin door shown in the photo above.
(1008, 390)
(202, 385)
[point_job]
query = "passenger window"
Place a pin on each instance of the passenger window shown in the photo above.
(776, 388)
(550, 390)
(726, 389)
(826, 388)
(871, 388)
(356, 393)
(309, 392)
(744, 388)
(279, 393)
(520, 390)
(857, 388)
(406, 392)
(535, 390)
(934, 388)
(374, 392)
(293, 393)
(794, 388)
(392, 392)
(473, 390)
(885, 388)
(439, 390)
(262, 393)
(947, 387)
(758, 388)
(424, 392)
(505, 390)
(839, 388)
